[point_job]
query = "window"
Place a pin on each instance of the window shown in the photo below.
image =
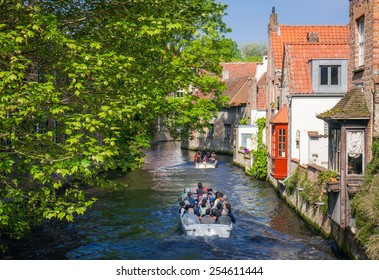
(244, 137)
(330, 75)
(279, 142)
(355, 145)
(273, 142)
(282, 142)
(361, 40)
(228, 131)
(335, 149)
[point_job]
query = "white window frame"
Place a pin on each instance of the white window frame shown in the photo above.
(358, 150)
(361, 41)
(244, 137)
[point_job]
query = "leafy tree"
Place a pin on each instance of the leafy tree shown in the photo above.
(253, 52)
(81, 85)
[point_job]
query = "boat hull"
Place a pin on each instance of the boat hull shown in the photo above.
(219, 230)
(205, 164)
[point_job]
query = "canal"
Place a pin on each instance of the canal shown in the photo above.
(141, 221)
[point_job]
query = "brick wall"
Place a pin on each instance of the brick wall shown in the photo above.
(368, 75)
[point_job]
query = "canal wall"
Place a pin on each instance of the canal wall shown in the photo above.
(318, 219)
(162, 136)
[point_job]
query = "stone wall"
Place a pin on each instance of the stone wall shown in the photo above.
(316, 216)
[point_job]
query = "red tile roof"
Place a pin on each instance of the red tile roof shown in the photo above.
(281, 117)
(290, 34)
(237, 90)
(297, 57)
(261, 93)
(238, 80)
(240, 69)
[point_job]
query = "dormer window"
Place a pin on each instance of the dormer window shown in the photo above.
(329, 75)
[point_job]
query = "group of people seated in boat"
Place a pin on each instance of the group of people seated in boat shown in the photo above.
(204, 156)
(204, 206)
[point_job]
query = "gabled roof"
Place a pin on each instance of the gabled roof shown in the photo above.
(238, 81)
(352, 106)
(237, 90)
(297, 57)
(299, 34)
(240, 69)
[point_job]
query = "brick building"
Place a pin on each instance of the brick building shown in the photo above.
(354, 121)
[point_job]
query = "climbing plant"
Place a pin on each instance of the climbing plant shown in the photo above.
(259, 167)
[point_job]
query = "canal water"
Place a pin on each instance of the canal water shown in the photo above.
(141, 222)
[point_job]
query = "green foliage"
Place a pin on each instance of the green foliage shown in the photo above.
(259, 167)
(292, 182)
(312, 192)
(366, 206)
(81, 86)
(243, 121)
(253, 52)
(327, 176)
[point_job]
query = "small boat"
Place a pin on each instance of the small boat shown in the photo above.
(206, 164)
(219, 230)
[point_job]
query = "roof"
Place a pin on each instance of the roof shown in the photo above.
(281, 117)
(261, 93)
(299, 34)
(297, 57)
(240, 69)
(237, 90)
(352, 106)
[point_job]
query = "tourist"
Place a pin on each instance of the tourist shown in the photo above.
(217, 211)
(204, 206)
(182, 205)
(224, 219)
(199, 190)
(185, 194)
(207, 218)
(191, 199)
(230, 214)
(197, 157)
(190, 218)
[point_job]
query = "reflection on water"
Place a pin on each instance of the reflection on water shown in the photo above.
(141, 221)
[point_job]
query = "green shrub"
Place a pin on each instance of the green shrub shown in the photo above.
(312, 192)
(259, 167)
(365, 205)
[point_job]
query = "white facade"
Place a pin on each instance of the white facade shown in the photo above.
(308, 134)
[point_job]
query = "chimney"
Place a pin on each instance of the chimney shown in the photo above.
(273, 25)
(312, 37)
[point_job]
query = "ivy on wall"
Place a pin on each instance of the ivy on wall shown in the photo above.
(259, 167)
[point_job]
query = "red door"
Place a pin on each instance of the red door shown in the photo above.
(279, 144)
(279, 151)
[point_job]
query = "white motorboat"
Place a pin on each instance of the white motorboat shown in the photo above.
(219, 230)
(206, 164)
